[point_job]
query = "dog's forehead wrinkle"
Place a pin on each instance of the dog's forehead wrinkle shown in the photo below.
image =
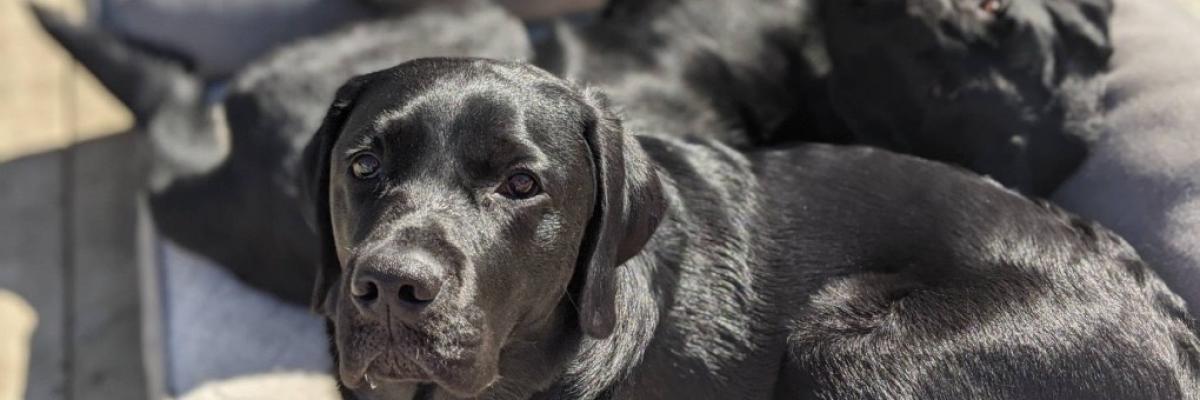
(385, 119)
(427, 192)
(398, 109)
(359, 141)
(488, 111)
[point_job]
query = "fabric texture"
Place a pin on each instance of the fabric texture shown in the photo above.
(217, 329)
(1142, 179)
(220, 36)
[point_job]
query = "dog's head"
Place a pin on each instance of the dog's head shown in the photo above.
(971, 81)
(465, 205)
(1046, 39)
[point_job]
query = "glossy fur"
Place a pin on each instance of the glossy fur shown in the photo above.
(656, 267)
(747, 72)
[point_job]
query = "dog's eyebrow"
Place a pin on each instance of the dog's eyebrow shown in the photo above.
(386, 118)
(363, 142)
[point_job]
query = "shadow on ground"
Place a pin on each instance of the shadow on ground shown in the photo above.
(67, 245)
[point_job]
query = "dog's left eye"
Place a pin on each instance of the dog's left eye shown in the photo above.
(520, 186)
(365, 166)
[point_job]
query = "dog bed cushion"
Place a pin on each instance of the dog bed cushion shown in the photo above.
(1143, 178)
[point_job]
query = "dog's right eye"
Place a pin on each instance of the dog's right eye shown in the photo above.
(520, 186)
(365, 166)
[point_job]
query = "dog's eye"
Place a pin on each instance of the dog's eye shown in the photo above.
(365, 166)
(520, 186)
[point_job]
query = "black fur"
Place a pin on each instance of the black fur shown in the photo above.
(657, 267)
(1007, 88)
(749, 72)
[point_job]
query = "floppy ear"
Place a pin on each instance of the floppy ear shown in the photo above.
(314, 183)
(629, 206)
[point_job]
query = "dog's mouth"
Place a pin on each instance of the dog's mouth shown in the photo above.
(463, 379)
(408, 358)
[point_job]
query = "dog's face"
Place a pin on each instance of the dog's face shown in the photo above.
(952, 44)
(459, 200)
(900, 64)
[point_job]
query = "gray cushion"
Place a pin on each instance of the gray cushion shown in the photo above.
(221, 36)
(216, 329)
(1143, 178)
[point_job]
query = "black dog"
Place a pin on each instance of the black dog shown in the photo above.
(1007, 88)
(490, 229)
(223, 175)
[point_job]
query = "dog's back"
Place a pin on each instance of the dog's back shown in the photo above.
(966, 291)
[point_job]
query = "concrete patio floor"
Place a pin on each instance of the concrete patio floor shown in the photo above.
(67, 191)
(67, 247)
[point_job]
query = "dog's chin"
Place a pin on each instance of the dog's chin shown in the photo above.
(462, 378)
(452, 349)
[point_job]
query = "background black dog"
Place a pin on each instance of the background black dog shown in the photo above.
(491, 229)
(1007, 88)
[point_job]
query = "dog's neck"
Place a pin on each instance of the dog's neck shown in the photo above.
(648, 285)
(563, 362)
(597, 367)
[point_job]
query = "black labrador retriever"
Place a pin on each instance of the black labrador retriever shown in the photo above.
(491, 231)
(1007, 88)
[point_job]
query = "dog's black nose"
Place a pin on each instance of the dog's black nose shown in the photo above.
(402, 285)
